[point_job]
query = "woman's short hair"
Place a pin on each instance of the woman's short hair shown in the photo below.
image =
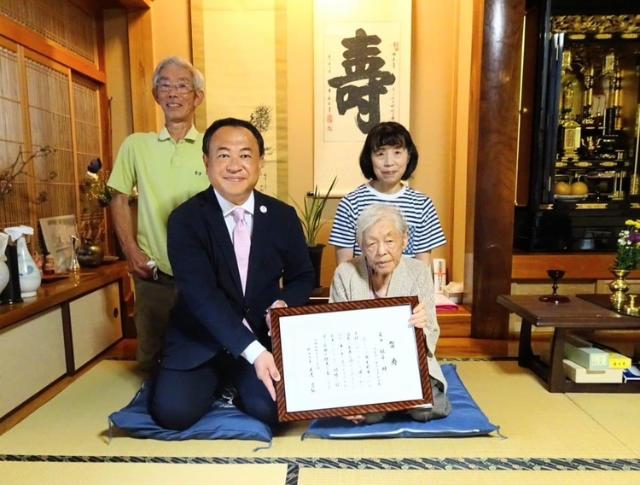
(196, 76)
(392, 134)
(376, 213)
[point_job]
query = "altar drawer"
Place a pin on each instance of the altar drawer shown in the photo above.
(31, 357)
(95, 323)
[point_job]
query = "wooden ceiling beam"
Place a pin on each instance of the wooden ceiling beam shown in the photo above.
(37, 43)
(129, 4)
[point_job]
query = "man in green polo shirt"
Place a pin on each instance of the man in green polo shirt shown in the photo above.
(167, 169)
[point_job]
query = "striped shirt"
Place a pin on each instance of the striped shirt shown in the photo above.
(425, 232)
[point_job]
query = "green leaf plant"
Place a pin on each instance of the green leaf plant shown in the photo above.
(310, 214)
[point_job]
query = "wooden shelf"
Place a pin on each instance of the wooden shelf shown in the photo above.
(577, 266)
(55, 293)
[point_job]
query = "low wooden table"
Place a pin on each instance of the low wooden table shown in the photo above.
(577, 314)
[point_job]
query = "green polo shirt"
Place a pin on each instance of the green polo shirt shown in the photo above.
(166, 174)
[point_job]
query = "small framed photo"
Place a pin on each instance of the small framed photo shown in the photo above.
(341, 359)
(57, 232)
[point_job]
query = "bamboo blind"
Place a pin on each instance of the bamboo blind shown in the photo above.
(43, 103)
(13, 208)
(50, 118)
(86, 104)
(58, 20)
(45, 100)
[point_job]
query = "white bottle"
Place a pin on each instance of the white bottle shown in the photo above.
(4, 269)
(30, 277)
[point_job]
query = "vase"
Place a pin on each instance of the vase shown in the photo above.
(90, 254)
(4, 269)
(4, 275)
(315, 254)
(11, 293)
(619, 288)
(30, 277)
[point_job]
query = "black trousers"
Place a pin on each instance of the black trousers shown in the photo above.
(181, 397)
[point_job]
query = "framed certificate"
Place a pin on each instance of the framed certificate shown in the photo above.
(342, 359)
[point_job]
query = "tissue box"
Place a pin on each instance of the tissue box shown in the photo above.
(590, 358)
(455, 297)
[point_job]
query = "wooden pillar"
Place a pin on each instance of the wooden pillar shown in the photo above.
(141, 67)
(496, 165)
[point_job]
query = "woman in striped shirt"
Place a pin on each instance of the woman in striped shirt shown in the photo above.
(388, 159)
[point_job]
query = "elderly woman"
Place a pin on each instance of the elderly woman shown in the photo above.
(382, 271)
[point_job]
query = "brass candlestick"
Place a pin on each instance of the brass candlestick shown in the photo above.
(634, 184)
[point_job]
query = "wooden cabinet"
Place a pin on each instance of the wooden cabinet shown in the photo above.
(32, 356)
(54, 334)
(95, 323)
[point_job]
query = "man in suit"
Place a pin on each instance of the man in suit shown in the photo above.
(218, 329)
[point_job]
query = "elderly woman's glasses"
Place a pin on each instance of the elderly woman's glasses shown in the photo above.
(180, 88)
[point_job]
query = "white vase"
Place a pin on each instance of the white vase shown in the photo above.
(30, 277)
(4, 275)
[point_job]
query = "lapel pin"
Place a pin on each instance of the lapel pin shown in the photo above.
(263, 209)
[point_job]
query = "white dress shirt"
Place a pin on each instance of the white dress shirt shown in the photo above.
(255, 348)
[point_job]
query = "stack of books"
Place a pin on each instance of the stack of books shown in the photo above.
(631, 374)
(584, 363)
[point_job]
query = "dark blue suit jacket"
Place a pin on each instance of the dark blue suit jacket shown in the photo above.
(210, 306)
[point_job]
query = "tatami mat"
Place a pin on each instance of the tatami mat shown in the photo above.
(543, 431)
(140, 474)
(618, 413)
(311, 476)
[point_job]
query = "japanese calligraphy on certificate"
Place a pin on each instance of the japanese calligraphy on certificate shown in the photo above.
(350, 358)
(362, 77)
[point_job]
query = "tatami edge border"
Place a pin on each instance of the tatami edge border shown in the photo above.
(476, 464)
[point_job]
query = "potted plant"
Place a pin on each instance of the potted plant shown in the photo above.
(310, 215)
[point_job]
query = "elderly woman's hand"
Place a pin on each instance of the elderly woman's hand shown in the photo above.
(419, 316)
(355, 418)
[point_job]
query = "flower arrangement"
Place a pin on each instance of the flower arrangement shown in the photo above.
(628, 250)
(94, 185)
(9, 174)
(91, 231)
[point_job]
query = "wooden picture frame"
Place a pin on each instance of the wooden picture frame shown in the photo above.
(57, 233)
(342, 359)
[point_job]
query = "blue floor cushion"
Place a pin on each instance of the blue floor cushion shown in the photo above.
(223, 421)
(465, 419)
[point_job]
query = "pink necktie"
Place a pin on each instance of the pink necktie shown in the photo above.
(241, 244)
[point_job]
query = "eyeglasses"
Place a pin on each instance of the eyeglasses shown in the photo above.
(180, 88)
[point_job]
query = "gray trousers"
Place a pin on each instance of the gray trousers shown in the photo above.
(154, 301)
(441, 407)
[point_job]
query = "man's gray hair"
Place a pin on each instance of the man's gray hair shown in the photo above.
(374, 214)
(197, 77)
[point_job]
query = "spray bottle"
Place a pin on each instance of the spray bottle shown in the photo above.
(30, 277)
